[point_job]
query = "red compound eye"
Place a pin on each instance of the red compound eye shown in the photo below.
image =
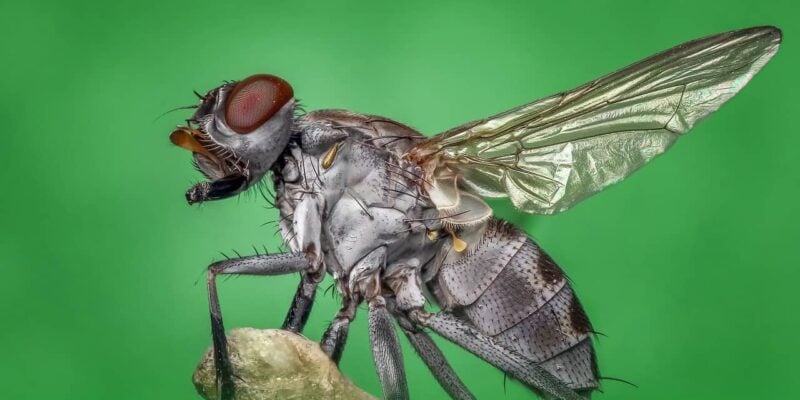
(254, 100)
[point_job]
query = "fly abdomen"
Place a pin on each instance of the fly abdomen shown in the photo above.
(510, 289)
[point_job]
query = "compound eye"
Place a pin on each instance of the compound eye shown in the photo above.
(255, 100)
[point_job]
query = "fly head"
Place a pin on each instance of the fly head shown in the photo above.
(237, 132)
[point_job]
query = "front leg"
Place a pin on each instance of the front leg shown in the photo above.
(302, 302)
(335, 336)
(274, 264)
(307, 228)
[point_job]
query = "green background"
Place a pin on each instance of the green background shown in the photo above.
(689, 267)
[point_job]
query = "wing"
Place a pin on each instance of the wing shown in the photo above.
(548, 155)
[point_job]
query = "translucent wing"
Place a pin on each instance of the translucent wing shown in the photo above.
(548, 155)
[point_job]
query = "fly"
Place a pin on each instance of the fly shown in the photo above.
(396, 217)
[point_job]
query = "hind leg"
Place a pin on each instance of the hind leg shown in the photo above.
(434, 359)
(485, 347)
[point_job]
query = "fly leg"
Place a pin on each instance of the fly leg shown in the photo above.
(303, 299)
(386, 351)
(405, 282)
(433, 359)
(485, 347)
(306, 225)
(335, 336)
(274, 264)
(365, 280)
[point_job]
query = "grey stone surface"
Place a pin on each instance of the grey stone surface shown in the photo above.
(277, 364)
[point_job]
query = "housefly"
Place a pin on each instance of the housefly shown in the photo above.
(397, 218)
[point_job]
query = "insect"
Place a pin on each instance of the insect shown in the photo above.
(397, 218)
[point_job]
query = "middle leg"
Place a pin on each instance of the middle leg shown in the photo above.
(386, 351)
(365, 281)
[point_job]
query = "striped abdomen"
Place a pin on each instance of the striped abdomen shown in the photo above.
(510, 289)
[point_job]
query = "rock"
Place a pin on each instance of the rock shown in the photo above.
(277, 364)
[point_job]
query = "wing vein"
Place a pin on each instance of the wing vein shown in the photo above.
(551, 154)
